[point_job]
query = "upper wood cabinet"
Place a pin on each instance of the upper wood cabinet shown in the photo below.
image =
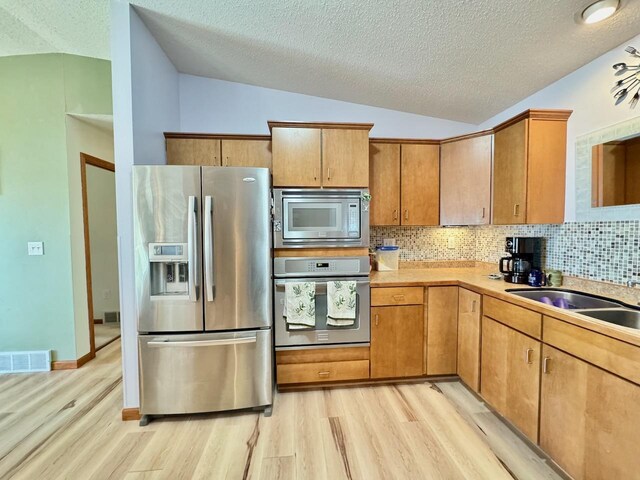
(442, 330)
(193, 151)
(218, 150)
(469, 313)
(246, 153)
(510, 375)
(384, 183)
(320, 154)
(465, 180)
(529, 167)
(420, 184)
(589, 421)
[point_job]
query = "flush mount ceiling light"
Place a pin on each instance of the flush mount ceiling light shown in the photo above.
(598, 11)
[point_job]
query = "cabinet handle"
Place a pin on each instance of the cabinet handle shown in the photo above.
(473, 306)
(315, 174)
(324, 374)
(527, 356)
(377, 319)
(483, 212)
(398, 298)
(395, 214)
(545, 365)
(406, 214)
(226, 164)
(328, 173)
(516, 210)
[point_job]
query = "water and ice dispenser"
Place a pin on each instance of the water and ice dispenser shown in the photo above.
(169, 269)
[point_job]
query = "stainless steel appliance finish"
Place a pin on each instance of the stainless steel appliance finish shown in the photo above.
(237, 248)
(203, 264)
(321, 271)
(205, 372)
(576, 300)
(621, 316)
(320, 218)
(166, 212)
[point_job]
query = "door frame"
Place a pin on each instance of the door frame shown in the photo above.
(86, 159)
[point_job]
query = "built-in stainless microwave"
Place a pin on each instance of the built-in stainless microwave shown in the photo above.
(320, 217)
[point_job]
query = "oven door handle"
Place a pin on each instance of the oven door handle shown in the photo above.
(322, 283)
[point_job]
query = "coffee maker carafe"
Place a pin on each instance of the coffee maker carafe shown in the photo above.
(525, 256)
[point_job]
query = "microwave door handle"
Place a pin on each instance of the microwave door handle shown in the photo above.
(208, 246)
(192, 250)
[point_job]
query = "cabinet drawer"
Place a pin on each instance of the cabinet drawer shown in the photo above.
(605, 352)
(397, 296)
(519, 318)
(315, 355)
(322, 372)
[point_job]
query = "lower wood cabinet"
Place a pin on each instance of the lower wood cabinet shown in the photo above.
(442, 330)
(322, 365)
(469, 313)
(589, 418)
(510, 377)
(397, 341)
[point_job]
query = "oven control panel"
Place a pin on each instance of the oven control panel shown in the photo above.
(320, 267)
(323, 266)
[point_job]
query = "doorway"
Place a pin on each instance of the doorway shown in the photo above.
(101, 250)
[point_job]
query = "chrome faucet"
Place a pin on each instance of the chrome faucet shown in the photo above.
(632, 283)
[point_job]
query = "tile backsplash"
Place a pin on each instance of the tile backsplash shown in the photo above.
(603, 251)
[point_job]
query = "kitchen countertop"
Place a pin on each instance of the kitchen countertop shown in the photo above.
(476, 279)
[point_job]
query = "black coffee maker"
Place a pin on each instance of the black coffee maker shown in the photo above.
(525, 256)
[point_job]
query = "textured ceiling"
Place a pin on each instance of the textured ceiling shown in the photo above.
(463, 60)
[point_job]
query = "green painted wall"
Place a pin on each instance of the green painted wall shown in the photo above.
(36, 92)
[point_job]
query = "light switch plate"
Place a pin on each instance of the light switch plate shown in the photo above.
(35, 248)
(451, 242)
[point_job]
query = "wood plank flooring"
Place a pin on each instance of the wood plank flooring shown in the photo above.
(66, 425)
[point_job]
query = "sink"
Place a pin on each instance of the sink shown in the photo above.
(620, 316)
(576, 300)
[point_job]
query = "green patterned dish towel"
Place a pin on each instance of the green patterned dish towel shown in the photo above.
(341, 303)
(300, 305)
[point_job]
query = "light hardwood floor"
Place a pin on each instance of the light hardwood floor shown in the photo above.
(66, 424)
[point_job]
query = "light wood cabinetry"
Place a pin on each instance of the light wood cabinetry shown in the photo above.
(510, 375)
(420, 184)
(396, 296)
(469, 314)
(522, 319)
(465, 180)
(246, 153)
(322, 365)
(397, 341)
(328, 155)
(589, 421)
(442, 330)
(529, 163)
(193, 151)
(384, 183)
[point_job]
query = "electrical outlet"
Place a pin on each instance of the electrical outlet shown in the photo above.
(35, 248)
(451, 242)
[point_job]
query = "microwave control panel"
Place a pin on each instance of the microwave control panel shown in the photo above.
(354, 220)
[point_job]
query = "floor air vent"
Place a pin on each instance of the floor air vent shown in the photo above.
(111, 317)
(21, 362)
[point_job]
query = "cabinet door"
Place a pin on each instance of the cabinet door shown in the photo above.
(465, 181)
(510, 375)
(246, 153)
(510, 174)
(397, 340)
(296, 157)
(420, 184)
(345, 157)
(442, 330)
(193, 151)
(384, 184)
(469, 307)
(589, 421)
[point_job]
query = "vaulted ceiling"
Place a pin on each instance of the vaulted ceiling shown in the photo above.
(462, 60)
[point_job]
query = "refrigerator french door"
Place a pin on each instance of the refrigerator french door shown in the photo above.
(202, 242)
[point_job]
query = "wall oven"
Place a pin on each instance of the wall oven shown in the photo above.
(320, 218)
(321, 271)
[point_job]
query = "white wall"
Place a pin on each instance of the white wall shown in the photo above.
(101, 203)
(586, 91)
(98, 142)
(145, 104)
(208, 105)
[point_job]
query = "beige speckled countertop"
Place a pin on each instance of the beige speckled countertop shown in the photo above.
(476, 279)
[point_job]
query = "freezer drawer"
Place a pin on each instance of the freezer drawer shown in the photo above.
(205, 372)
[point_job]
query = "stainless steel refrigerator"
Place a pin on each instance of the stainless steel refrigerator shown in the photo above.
(202, 242)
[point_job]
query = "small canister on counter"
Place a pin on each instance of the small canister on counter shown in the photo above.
(387, 257)
(554, 278)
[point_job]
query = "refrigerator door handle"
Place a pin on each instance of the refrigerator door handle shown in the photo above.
(208, 246)
(203, 343)
(192, 250)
